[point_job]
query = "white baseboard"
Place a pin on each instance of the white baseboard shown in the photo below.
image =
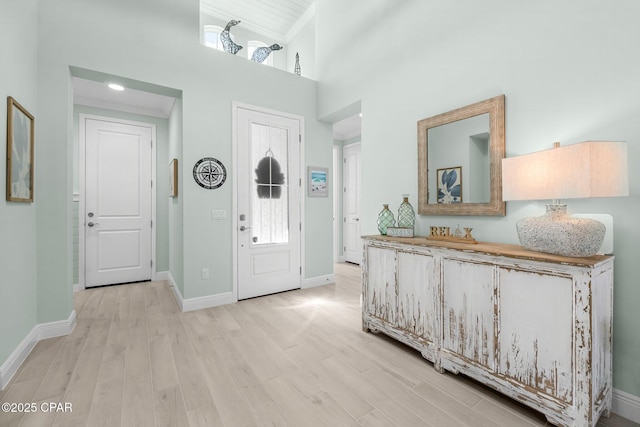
(192, 304)
(199, 303)
(626, 405)
(312, 282)
(39, 332)
(11, 365)
(176, 291)
(57, 329)
(162, 275)
(76, 287)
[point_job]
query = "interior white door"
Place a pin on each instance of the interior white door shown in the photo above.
(117, 223)
(352, 246)
(269, 198)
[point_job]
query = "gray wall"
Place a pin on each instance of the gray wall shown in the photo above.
(569, 71)
(176, 205)
(18, 289)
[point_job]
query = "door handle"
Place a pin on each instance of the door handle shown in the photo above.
(243, 228)
(91, 224)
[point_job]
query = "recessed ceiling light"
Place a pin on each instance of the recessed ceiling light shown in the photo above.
(115, 86)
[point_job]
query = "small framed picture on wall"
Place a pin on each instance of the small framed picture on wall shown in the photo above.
(318, 182)
(20, 137)
(173, 178)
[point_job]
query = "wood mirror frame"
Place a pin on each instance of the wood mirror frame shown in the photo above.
(495, 206)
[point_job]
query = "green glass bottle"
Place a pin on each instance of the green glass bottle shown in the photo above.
(406, 214)
(385, 219)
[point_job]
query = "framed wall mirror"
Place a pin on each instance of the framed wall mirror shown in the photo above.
(459, 161)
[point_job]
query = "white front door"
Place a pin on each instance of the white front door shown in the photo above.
(352, 247)
(268, 203)
(117, 201)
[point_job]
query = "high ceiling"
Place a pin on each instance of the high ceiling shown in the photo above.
(276, 19)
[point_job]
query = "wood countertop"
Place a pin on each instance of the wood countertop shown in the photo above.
(498, 249)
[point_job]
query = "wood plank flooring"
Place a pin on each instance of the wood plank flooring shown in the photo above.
(297, 359)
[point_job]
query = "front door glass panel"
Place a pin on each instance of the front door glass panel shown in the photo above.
(269, 186)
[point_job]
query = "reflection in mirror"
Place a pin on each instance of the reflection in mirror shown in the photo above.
(465, 145)
(459, 160)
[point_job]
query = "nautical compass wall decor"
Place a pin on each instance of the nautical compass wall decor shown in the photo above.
(209, 173)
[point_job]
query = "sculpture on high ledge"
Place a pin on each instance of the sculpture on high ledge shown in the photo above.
(261, 53)
(229, 45)
(296, 69)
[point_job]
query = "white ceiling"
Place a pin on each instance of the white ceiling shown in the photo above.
(277, 19)
(97, 94)
(347, 128)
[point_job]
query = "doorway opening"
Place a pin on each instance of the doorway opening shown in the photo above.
(141, 105)
(347, 176)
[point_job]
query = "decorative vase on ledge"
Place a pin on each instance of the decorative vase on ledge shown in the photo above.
(406, 214)
(385, 219)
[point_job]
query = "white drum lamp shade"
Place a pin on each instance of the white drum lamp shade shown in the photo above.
(585, 170)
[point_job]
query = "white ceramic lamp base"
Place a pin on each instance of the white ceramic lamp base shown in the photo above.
(558, 233)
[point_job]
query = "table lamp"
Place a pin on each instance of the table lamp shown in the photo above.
(584, 170)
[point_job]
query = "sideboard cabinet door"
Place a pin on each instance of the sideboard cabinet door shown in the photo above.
(468, 311)
(536, 327)
(381, 283)
(417, 295)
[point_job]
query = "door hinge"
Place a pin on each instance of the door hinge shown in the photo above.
(151, 183)
(300, 182)
(299, 137)
(152, 143)
(344, 161)
(300, 226)
(301, 270)
(151, 262)
(344, 249)
(151, 223)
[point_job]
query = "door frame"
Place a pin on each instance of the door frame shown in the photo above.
(82, 163)
(234, 210)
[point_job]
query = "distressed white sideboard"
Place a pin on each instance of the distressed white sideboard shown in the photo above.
(533, 326)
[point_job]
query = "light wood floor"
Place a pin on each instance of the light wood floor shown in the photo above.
(293, 359)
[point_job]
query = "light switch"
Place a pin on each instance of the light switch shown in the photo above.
(218, 214)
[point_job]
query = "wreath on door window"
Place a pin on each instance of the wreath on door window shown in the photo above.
(269, 177)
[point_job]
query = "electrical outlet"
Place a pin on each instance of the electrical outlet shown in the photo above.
(204, 274)
(218, 214)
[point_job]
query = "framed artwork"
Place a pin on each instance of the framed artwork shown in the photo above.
(318, 182)
(449, 185)
(173, 178)
(20, 137)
